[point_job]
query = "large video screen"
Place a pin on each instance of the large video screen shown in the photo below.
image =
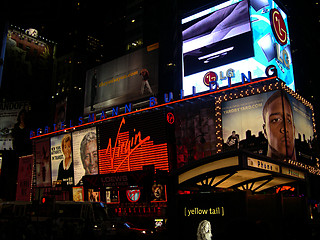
(122, 80)
(215, 36)
(235, 37)
(272, 45)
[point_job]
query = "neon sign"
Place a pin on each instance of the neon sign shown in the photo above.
(170, 118)
(130, 154)
(133, 195)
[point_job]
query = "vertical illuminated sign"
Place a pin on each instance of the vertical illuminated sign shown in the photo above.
(271, 38)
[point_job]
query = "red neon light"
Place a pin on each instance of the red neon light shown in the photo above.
(153, 107)
(133, 195)
(170, 118)
(132, 154)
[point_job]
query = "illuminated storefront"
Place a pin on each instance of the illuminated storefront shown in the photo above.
(123, 162)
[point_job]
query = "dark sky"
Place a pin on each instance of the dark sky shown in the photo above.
(55, 18)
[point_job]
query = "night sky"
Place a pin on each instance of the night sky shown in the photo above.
(55, 19)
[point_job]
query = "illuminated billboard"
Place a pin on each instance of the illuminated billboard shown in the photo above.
(251, 119)
(42, 159)
(256, 123)
(61, 160)
(236, 37)
(122, 80)
(24, 179)
(10, 117)
(195, 132)
(129, 144)
(85, 153)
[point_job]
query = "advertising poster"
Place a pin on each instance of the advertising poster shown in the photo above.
(85, 153)
(93, 196)
(9, 112)
(42, 158)
(158, 193)
(24, 178)
(273, 124)
(122, 80)
(61, 160)
(78, 194)
(195, 132)
(112, 196)
(243, 36)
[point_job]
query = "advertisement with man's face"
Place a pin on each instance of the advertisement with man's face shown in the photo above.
(85, 155)
(42, 158)
(124, 79)
(271, 123)
(61, 160)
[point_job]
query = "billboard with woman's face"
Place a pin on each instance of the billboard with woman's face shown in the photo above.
(61, 160)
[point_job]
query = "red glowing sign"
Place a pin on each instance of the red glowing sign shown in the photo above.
(170, 118)
(132, 153)
(278, 26)
(285, 188)
(133, 195)
(209, 77)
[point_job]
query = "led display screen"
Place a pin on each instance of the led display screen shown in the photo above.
(122, 80)
(208, 38)
(248, 37)
(129, 144)
(271, 39)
